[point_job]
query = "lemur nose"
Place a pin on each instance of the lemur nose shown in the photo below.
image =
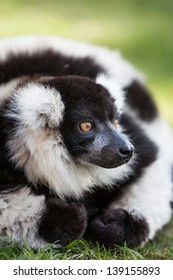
(126, 152)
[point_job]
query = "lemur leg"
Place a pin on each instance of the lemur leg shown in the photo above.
(139, 213)
(25, 216)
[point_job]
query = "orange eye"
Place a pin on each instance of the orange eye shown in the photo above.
(115, 124)
(85, 126)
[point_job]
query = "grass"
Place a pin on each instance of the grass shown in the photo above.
(158, 249)
(142, 30)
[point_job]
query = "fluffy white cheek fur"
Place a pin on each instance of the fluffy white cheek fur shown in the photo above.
(37, 105)
(31, 146)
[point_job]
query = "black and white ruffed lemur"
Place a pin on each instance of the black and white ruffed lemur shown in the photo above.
(83, 149)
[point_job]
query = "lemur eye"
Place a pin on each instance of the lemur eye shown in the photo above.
(85, 126)
(115, 124)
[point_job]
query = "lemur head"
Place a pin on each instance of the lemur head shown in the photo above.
(62, 122)
(90, 123)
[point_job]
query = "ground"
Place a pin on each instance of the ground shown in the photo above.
(158, 249)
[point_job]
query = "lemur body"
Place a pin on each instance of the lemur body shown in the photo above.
(68, 169)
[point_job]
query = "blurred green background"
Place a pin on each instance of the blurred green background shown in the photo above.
(141, 29)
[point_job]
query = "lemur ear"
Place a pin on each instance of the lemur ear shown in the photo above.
(35, 105)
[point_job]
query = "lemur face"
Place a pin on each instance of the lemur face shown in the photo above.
(90, 123)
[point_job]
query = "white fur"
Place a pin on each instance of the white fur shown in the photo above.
(100, 141)
(19, 214)
(114, 89)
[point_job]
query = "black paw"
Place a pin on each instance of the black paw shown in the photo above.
(115, 227)
(62, 222)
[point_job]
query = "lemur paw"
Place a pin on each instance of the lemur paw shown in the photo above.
(115, 227)
(62, 222)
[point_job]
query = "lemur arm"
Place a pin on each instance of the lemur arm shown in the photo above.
(37, 220)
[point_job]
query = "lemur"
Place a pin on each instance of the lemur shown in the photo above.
(84, 152)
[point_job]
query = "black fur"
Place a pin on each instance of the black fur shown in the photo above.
(145, 149)
(47, 63)
(84, 96)
(62, 222)
(11, 177)
(171, 205)
(94, 105)
(116, 227)
(140, 99)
